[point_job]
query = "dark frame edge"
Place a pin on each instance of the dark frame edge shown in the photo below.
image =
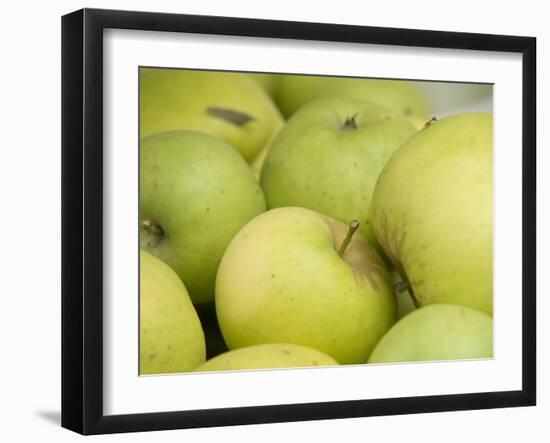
(311, 411)
(82, 375)
(529, 219)
(72, 221)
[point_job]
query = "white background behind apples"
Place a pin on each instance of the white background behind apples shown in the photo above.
(30, 220)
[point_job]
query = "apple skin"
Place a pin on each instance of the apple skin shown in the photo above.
(437, 332)
(176, 99)
(291, 92)
(171, 336)
(268, 356)
(316, 162)
(200, 192)
(432, 212)
(281, 280)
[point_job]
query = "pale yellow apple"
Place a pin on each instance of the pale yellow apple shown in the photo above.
(437, 332)
(282, 280)
(268, 356)
(228, 105)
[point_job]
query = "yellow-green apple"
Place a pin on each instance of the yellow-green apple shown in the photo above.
(328, 156)
(292, 275)
(272, 355)
(196, 192)
(432, 212)
(437, 332)
(291, 92)
(228, 105)
(171, 337)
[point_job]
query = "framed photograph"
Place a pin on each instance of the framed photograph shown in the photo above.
(268, 221)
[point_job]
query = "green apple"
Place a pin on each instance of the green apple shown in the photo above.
(268, 356)
(432, 212)
(231, 106)
(291, 92)
(328, 157)
(196, 192)
(437, 332)
(171, 336)
(292, 275)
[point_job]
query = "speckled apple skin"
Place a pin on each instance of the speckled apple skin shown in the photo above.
(318, 163)
(432, 211)
(171, 336)
(281, 280)
(201, 192)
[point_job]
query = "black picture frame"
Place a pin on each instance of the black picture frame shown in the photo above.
(82, 218)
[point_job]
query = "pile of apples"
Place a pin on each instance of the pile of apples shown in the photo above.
(291, 221)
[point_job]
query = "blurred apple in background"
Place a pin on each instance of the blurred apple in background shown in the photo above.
(196, 192)
(292, 275)
(266, 81)
(432, 212)
(171, 337)
(272, 355)
(328, 157)
(404, 98)
(231, 106)
(437, 332)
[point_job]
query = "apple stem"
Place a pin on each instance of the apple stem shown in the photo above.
(154, 228)
(406, 285)
(414, 299)
(402, 286)
(429, 123)
(353, 226)
(350, 123)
